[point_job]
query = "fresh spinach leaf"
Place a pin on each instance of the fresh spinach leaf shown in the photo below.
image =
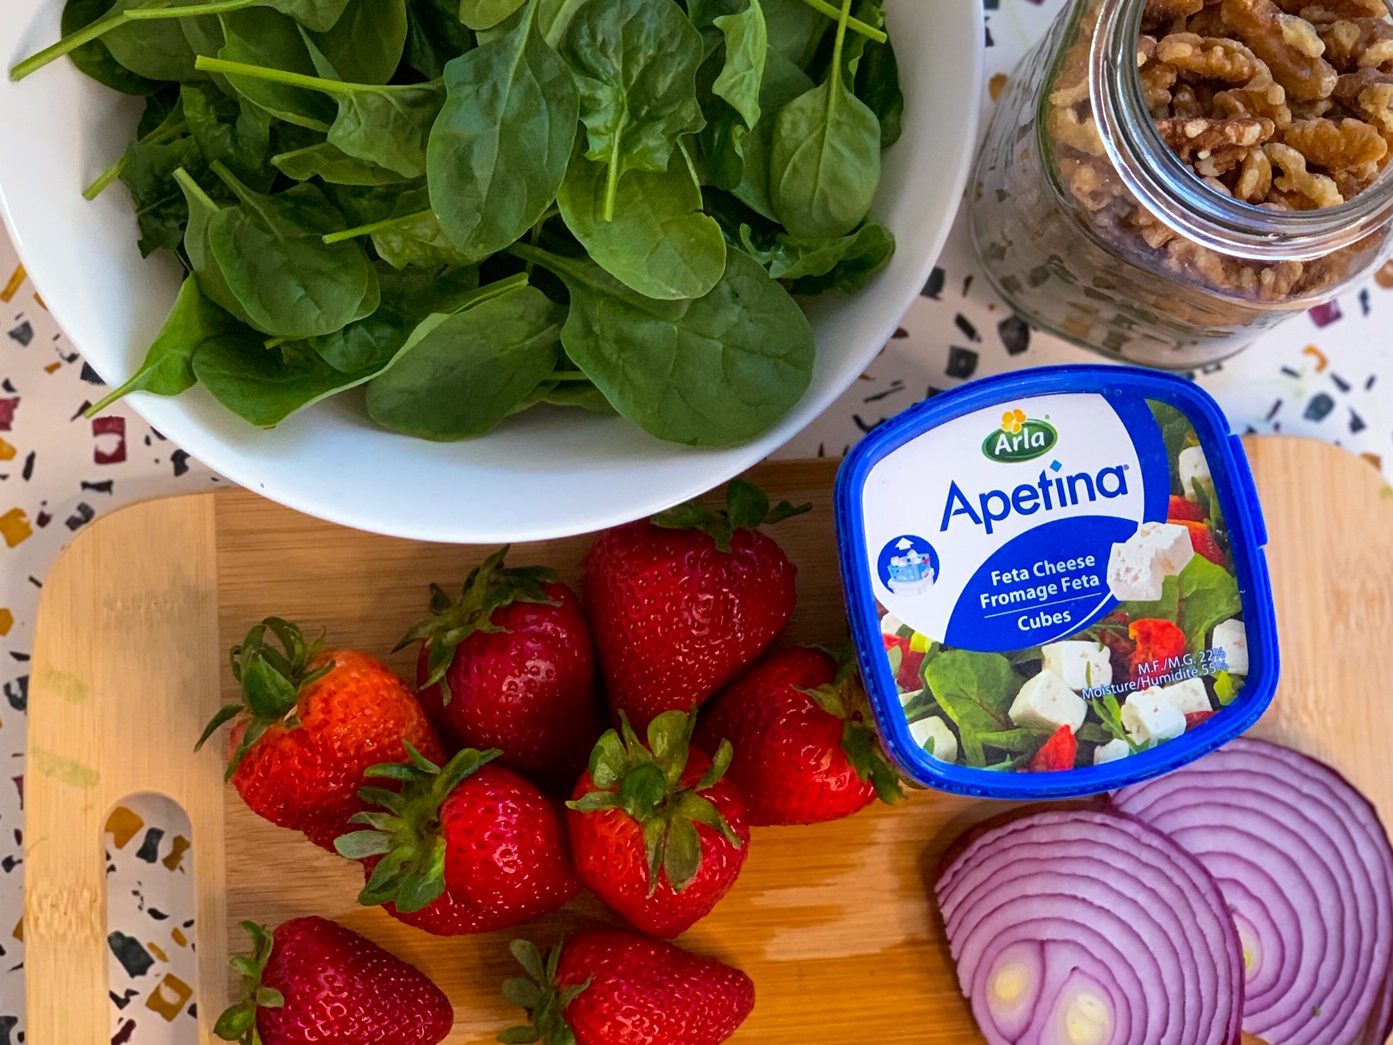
(237, 134)
(796, 30)
(578, 395)
(499, 151)
(459, 375)
(408, 297)
(746, 54)
(163, 113)
(147, 170)
(825, 156)
(485, 14)
(554, 18)
(389, 126)
(95, 58)
(156, 50)
(1167, 607)
(435, 36)
(783, 82)
(403, 228)
(147, 34)
(975, 691)
(167, 369)
(333, 165)
(367, 42)
(271, 252)
(266, 385)
(201, 210)
(636, 64)
(844, 263)
(877, 83)
(205, 36)
(386, 125)
(317, 15)
(716, 371)
(660, 243)
(266, 38)
(416, 239)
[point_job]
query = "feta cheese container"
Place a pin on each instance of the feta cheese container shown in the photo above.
(1056, 582)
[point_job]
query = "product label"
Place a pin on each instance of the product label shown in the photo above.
(1047, 571)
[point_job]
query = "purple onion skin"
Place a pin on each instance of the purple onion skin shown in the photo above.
(1128, 925)
(1305, 858)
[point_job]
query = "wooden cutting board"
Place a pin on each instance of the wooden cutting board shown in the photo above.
(833, 922)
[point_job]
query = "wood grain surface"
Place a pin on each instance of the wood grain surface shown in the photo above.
(833, 922)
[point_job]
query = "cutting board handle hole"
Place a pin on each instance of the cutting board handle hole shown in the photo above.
(152, 966)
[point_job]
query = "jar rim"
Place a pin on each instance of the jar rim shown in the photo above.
(1181, 199)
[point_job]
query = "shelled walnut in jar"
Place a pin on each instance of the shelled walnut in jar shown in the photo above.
(1163, 179)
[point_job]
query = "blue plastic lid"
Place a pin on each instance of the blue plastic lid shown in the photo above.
(1056, 582)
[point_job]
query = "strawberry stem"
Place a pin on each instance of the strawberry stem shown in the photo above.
(238, 1022)
(645, 781)
(448, 623)
(538, 993)
(405, 832)
(747, 507)
(845, 698)
(272, 680)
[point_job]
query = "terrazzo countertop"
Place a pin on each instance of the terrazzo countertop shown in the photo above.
(1328, 374)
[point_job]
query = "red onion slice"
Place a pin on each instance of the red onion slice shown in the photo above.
(1305, 866)
(1082, 927)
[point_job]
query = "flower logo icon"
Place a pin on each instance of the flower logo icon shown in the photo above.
(1012, 420)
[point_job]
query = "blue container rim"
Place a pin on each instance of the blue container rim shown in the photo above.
(1237, 493)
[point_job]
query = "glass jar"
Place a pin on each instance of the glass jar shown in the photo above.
(1092, 227)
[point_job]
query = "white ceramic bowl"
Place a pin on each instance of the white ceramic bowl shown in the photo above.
(542, 475)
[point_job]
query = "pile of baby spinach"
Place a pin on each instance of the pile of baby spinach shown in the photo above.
(471, 207)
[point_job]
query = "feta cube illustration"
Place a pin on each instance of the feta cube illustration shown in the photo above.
(1232, 638)
(890, 624)
(1189, 697)
(1111, 751)
(1082, 665)
(1149, 717)
(934, 736)
(1138, 566)
(1192, 467)
(1045, 702)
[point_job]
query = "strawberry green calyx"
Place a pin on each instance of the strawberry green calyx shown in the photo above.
(645, 781)
(238, 1022)
(539, 995)
(405, 830)
(489, 587)
(272, 681)
(844, 698)
(747, 507)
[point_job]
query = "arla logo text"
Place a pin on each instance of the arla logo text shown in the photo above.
(1020, 438)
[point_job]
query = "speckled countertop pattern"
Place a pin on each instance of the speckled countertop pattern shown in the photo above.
(1328, 375)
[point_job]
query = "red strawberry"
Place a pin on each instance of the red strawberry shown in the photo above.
(471, 847)
(1182, 510)
(309, 725)
(1204, 542)
(682, 604)
(314, 980)
(803, 753)
(1058, 752)
(510, 665)
(656, 831)
(610, 987)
